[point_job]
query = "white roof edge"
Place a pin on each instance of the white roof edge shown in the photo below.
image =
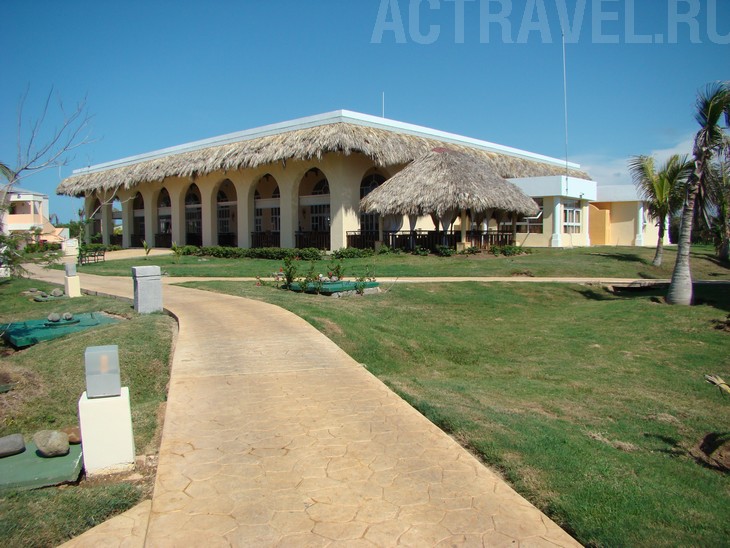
(335, 116)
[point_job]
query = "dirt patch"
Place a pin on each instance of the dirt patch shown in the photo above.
(143, 475)
(713, 451)
(620, 445)
(27, 386)
(330, 328)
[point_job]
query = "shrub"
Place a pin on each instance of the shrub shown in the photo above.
(41, 247)
(509, 250)
(352, 253)
(471, 250)
(421, 251)
(444, 251)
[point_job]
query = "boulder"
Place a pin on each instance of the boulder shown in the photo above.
(54, 317)
(58, 292)
(51, 443)
(73, 433)
(11, 445)
(67, 316)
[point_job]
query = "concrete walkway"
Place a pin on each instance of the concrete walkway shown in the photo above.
(274, 436)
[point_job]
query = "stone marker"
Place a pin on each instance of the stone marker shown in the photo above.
(51, 443)
(11, 445)
(147, 289)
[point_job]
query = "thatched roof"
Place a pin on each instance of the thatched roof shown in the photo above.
(384, 147)
(446, 180)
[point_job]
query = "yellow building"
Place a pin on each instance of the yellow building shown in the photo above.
(299, 184)
(26, 212)
(618, 217)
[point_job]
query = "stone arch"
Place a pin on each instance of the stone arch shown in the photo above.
(193, 216)
(369, 222)
(267, 212)
(137, 234)
(226, 211)
(163, 236)
(314, 213)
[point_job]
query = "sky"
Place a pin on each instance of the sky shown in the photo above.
(159, 73)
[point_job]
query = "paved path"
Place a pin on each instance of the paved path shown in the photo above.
(273, 436)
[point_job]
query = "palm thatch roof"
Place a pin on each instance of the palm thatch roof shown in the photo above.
(384, 147)
(446, 180)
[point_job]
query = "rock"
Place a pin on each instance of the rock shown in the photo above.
(73, 433)
(58, 292)
(68, 316)
(51, 443)
(43, 294)
(54, 317)
(11, 445)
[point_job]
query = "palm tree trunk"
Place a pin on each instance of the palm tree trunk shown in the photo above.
(659, 255)
(680, 290)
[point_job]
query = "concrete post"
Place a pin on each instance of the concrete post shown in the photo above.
(147, 289)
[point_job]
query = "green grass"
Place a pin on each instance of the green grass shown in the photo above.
(588, 402)
(51, 378)
(624, 262)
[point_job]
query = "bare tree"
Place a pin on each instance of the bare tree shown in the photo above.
(41, 146)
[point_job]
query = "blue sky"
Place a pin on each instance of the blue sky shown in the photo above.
(162, 73)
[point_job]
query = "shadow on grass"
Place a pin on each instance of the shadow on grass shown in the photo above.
(623, 257)
(716, 295)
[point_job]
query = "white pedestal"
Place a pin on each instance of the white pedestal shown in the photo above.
(106, 433)
(73, 286)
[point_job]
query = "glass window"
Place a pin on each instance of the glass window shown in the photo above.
(571, 217)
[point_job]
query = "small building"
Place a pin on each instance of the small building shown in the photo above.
(299, 184)
(27, 212)
(619, 217)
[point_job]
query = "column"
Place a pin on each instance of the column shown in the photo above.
(639, 239)
(127, 222)
(556, 241)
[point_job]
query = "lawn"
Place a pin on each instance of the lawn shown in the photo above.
(50, 379)
(621, 262)
(593, 405)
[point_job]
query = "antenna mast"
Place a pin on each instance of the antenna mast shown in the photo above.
(565, 101)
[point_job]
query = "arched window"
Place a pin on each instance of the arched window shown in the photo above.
(369, 221)
(321, 188)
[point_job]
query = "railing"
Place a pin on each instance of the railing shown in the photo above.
(265, 239)
(362, 240)
(194, 238)
(484, 240)
(163, 240)
(318, 240)
(136, 240)
(227, 239)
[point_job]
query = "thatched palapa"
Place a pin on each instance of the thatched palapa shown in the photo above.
(446, 180)
(384, 147)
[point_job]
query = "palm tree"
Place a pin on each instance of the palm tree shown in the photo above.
(660, 191)
(7, 173)
(713, 103)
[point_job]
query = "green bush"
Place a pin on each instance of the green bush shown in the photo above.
(509, 250)
(271, 253)
(421, 251)
(41, 247)
(444, 251)
(352, 253)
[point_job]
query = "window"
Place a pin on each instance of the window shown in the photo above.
(526, 225)
(224, 219)
(320, 217)
(258, 220)
(369, 221)
(275, 219)
(322, 187)
(571, 217)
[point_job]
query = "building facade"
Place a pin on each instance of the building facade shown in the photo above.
(299, 184)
